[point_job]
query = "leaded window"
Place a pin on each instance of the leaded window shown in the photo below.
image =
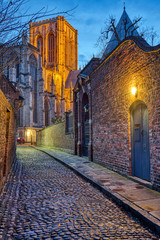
(40, 44)
(51, 48)
(33, 71)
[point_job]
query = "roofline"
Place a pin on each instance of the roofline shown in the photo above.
(60, 18)
(35, 24)
(29, 45)
(145, 48)
(71, 27)
(83, 76)
(93, 58)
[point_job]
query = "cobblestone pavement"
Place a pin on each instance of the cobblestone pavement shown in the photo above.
(43, 199)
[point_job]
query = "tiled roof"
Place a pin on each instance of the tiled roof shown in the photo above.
(32, 47)
(90, 67)
(140, 42)
(72, 77)
(121, 32)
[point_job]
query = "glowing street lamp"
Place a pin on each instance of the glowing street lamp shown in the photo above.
(28, 133)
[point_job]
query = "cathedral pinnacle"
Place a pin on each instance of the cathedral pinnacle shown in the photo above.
(124, 6)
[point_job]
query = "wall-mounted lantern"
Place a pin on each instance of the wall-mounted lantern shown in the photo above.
(29, 135)
(18, 103)
(86, 108)
(134, 91)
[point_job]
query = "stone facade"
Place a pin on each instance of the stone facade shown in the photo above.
(113, 131)
(10, 101)
(25, 73)
(57, 42)
(44, 70)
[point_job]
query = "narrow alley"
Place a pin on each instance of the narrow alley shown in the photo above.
(42, 199)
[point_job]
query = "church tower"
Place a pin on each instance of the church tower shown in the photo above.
(56, 40)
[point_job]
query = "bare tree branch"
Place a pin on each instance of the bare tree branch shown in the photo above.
(129, 29)
(134, 24)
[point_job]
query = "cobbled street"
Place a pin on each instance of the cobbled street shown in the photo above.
(43, 199)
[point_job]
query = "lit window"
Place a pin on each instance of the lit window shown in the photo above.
(51, 48)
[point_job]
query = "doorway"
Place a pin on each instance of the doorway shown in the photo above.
(85, 126)
(140, 141)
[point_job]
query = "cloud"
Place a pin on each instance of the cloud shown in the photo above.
(82, 58)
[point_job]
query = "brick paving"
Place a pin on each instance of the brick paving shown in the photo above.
(42, 199)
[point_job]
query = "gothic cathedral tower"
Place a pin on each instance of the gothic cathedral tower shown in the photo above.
(56, 40)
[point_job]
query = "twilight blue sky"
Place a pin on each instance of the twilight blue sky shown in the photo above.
(90, 15)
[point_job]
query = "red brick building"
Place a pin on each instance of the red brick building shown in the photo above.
(10, 102)
(82, 111)
(124, 129)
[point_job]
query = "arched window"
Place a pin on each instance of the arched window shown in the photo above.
(17, 67)
(33, 67)
(33, 72)
(72, 55)
(17, 70)
(8, 72)
(46, 111)
(40, 44)
(66, 52)
(58, 107)
(51, 48)
(49, 81)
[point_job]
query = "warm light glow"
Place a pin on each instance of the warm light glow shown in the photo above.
(28, 133)
(67, 55)
(134, 91)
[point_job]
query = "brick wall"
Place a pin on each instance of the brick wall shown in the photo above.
(129, 65)
(10, 102)
(7, 137)
(55, 136)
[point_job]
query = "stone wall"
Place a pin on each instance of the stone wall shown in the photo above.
(56, 136)
(129, 65)
(7, 137)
